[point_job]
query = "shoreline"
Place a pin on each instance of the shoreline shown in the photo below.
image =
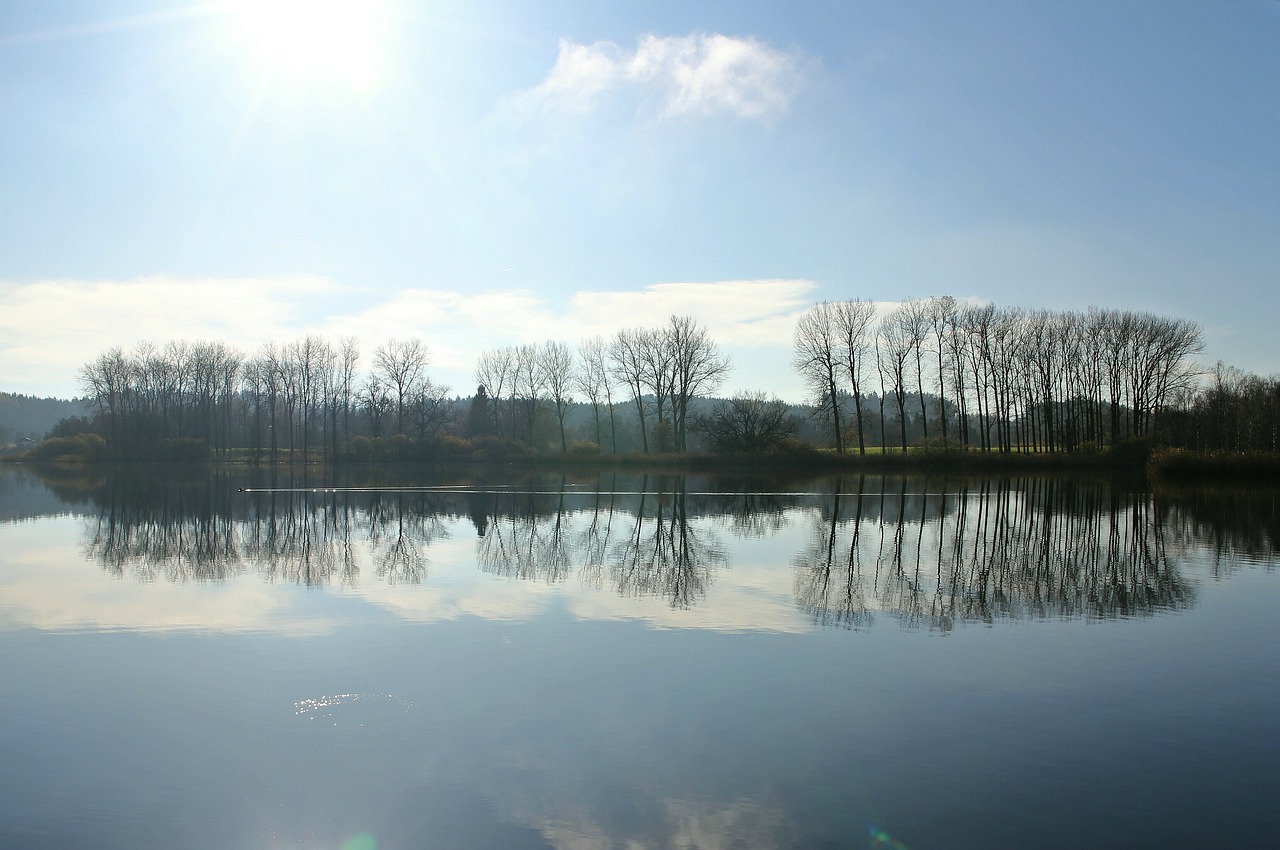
(1161, 465)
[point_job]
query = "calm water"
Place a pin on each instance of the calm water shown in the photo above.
(632, 662)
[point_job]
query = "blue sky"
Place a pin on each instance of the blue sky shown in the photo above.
(487, 173)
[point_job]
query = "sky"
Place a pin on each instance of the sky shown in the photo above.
(495, 172)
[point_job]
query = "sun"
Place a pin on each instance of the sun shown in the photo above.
(310, 42)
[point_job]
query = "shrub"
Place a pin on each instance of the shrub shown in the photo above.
(363, 449)
(1132, 452)
(498, 450)
(399, 447)
(70, 426)
(934, 447)
(451, 448)
(82, 448)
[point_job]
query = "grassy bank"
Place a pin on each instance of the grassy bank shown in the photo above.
(1181, 465)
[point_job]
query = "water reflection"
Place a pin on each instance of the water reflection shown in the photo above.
(1034, 548)
(929, 553)
(639, 542)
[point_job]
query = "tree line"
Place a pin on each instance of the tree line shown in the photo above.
(932, 372)
(311, 398)
(304, 397)
(993, 378)
(659, 371)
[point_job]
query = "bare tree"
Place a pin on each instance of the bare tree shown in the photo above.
(817, 357)
(627, 364)
(942, 316)
(230, 365)
(1117, 328)
(698, 367)
(345, 390)
(494, 372)
(656, 357)
(400, 365)
(375, 397)
(976, 322)
(894, 348)
(105, 380)
(429, 409)
(252, 385)
(913, 316)
(854, 320)
(528, 381)
(164, 382)
(594, 379)
(270, 371)
(556, 362)
(311, 359)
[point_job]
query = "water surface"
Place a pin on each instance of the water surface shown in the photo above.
(633, 661)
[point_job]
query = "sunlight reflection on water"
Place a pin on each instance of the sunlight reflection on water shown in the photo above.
(321, 705)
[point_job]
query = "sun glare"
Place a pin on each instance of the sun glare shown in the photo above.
(307, 42)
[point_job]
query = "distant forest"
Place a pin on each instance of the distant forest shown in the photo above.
(28, 417)
(931, 372)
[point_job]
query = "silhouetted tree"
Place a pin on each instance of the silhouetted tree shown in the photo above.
(479, 419)
(749, 422)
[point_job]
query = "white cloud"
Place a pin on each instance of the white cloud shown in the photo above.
(581, 73)
(736, 312)
(48, 329)
(695, 74)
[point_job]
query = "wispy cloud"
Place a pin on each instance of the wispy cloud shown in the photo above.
(699, 74)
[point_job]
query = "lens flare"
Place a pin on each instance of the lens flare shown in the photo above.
(363, 841)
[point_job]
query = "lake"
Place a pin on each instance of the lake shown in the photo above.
(498, 659)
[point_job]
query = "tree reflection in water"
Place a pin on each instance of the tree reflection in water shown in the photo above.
(928, 553)
(998, 549)
(651, 551)
(663, 555)
(526, 537)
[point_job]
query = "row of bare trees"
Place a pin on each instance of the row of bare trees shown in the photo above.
(515, 382)
(304, 395)
(310, 395)
(660, 370)
(931, 371)
(996, 378)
